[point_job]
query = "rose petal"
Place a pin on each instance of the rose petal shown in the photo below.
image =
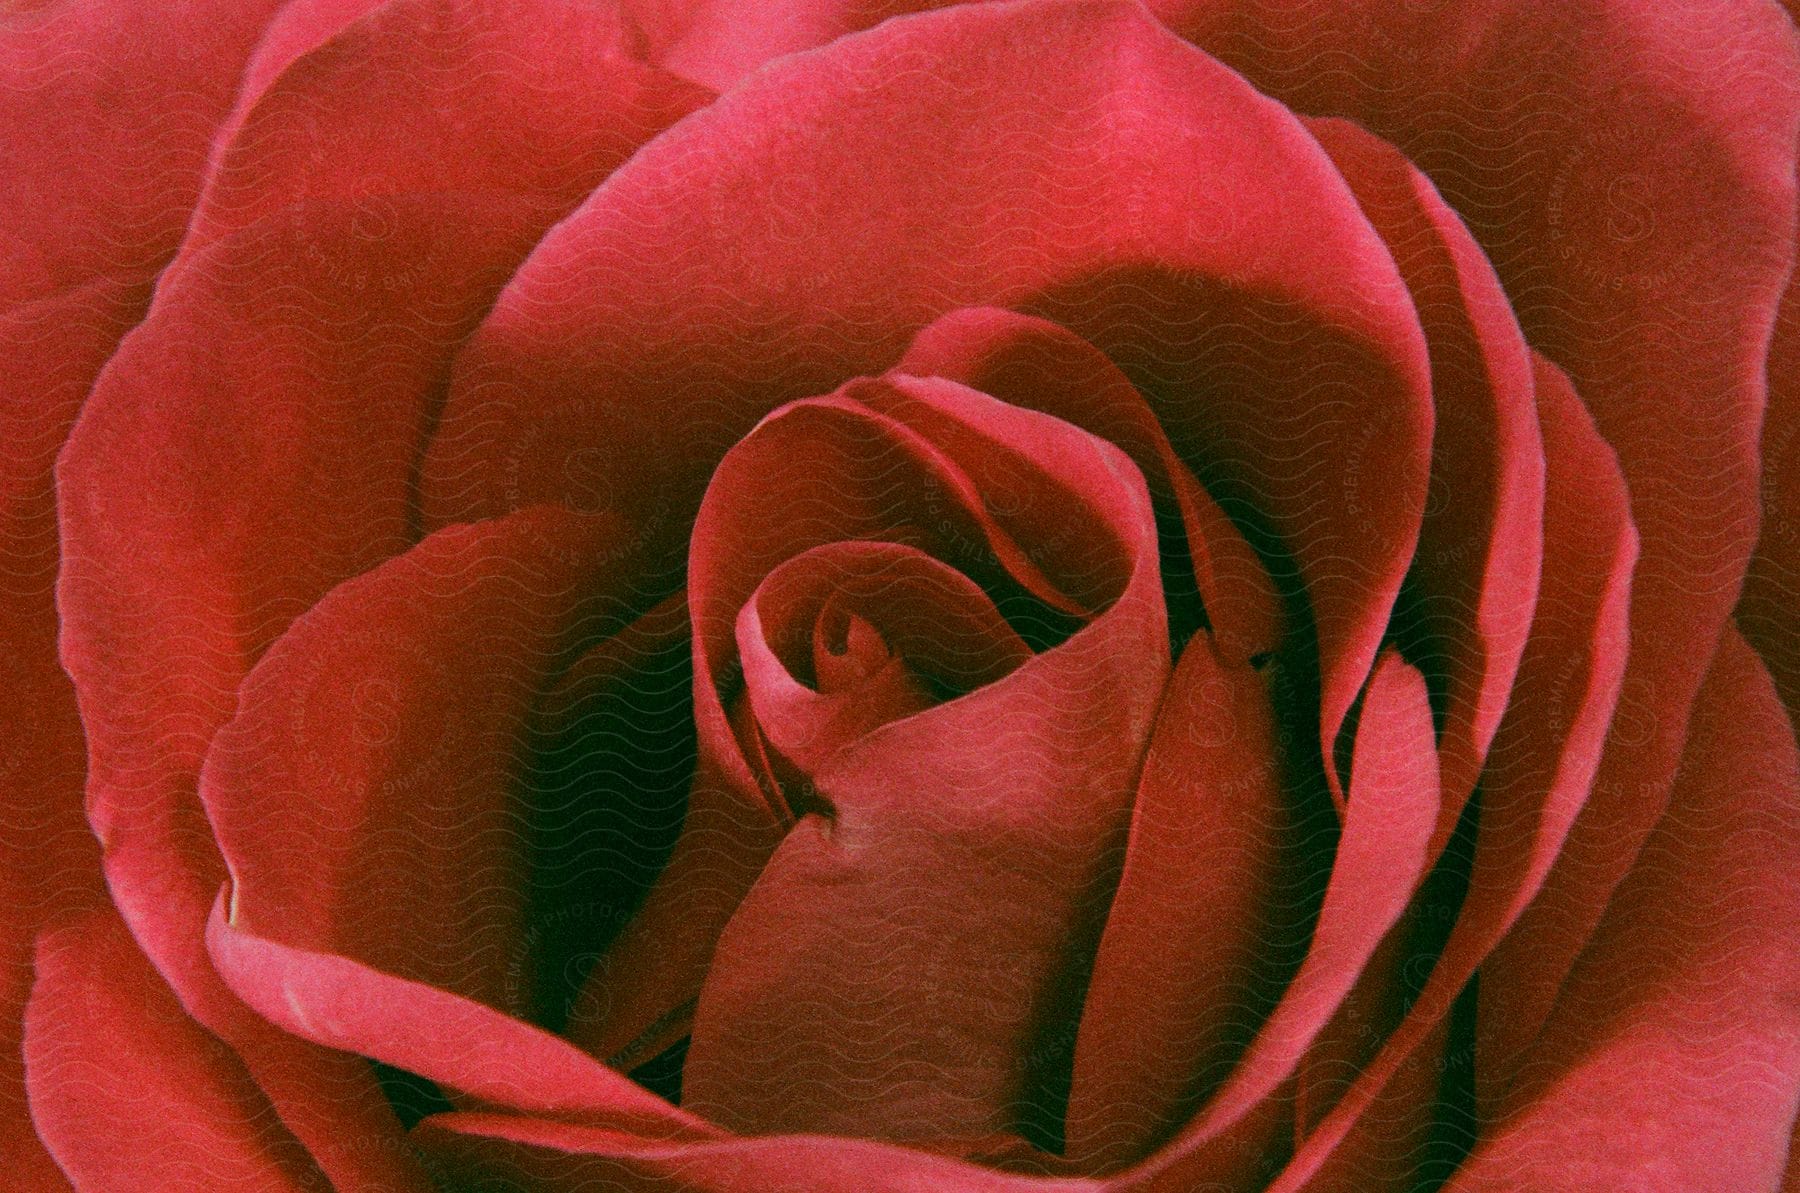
(1381, 858)
(1398, 1138)
(129, 1093)
(1680, 1019)
(1375, 34)
(1476, 571)
(364, 796)
(191, 541)
(641, 997)
(717, 42)
(1473, 584)
(1629, 167)
(612, 757)
(1765, 613)
(113, 106)
(932, 625)
(866, 198)
(1566, 225)
(557, 1156)
(1539, 771)
(468, 81)
(887, 460)
(447, 1045)
(195, 529)
(456, 1042)
(50, 350)
(1070, 509)
(293, 366)
(855, 989)
(638, 998)
(104, 160)
(1196, 920)
(1034, 363)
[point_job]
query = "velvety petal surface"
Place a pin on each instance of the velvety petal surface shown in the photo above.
(1286, 338)
(1537, 780)
(1680, 1019)
(898, 965)
(1629, 169)
(365, 799)
(1198, 914)
(1034, 363)
(128, 1092)
(1766, 614)
(557, 1157)
(294, 364)
(1474, 580)
(1467, 606)
(366, 794)
(718, 42)
(887, 628)
(458, 1043)
(470, 82)
(109, 111)
(1068, 159)
(49, 864)
(115, 108)
(1238, 1135)
(868, 475)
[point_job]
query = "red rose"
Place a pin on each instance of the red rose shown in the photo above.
(1044, 594)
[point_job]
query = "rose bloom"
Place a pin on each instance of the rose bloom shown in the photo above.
(803, 595)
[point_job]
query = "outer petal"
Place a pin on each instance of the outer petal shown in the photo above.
(1629, 168)
(107, 113)
(195, 529)
(128, 1092)
(253, 444)
(1470, 593)
(558, 1158)
(114, 107)
(365, 795)
(1766, 614)
(1538, 777)
(49, 350)
(717, 42)
(463, 1045)
(469, 81)
(364, 800)
(1682, 1019)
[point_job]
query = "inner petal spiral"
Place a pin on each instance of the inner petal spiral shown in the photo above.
(935, 649)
